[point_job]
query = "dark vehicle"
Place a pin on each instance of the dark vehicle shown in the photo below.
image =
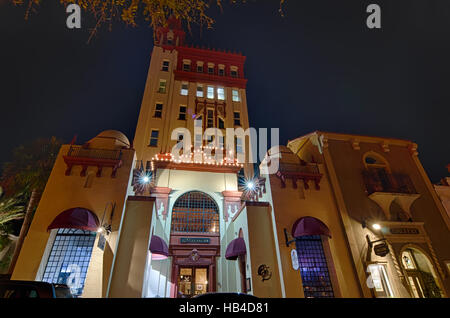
(33, 289)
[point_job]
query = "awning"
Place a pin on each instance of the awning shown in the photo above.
(158, 248)
(309, 225)
(76, 218)
(235, 249)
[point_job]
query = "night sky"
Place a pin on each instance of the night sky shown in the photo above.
(317, 68)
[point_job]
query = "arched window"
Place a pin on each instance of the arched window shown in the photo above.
(195, 212)
(312, 259)
(420, 274)
(377, 174)
(69, 259)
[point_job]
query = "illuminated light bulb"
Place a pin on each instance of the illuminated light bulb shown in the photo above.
(376, 226)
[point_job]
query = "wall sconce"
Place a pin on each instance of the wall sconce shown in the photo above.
(374, 226)
(286, 236)
(105, 228)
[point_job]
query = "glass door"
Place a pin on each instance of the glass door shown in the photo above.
(192, 281)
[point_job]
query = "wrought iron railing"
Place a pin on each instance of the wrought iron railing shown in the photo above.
(93, 153)
(381, 181)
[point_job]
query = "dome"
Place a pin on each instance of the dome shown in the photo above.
(110, 139)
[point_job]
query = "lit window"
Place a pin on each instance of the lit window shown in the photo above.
(182, 113)
(221, 141)
(162, 86)
(220, 93)
(221, 123)
(238, 142)
(195, 212)
(154, 138)
(235, 94)
(186, 66)
(211, 92)
(70, 255)
(158, 110)
(165, 66)
(199, 90)
(380, 280)
(237, 118)
(184, 89)
(313, 267)
(198, 140)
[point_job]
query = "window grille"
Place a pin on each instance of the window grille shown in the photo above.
(313, 267)
(69, 259)
(195, 212)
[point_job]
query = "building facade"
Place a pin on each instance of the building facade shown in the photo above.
(342, 216)
(385, 229)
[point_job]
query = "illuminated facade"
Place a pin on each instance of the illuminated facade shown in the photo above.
(121, 219)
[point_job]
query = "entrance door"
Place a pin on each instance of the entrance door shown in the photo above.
(192, 281)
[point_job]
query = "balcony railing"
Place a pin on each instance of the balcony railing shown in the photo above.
(81, 152)
(100, 158)
(381, 181)
(309, 168)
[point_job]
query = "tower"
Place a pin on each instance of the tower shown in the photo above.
(185, 84)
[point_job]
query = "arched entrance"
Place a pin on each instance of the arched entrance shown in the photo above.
(194, 244)
(420, 274)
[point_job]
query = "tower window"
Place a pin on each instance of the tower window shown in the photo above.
(313, 267)
(186, 66)
(221, 142)
(235, 94)
(70, 256)
(165, 66)
(221, 71)
(200, 68)
(158, 110)
(221, 124)
(234, 73)
(237, 118)
(182, 113)
(199, 90)
(238, 142)
(162, 86)
(184, 89)
(210, 92)
(220, 93)
(211, 69)
(210, 118)
(154, 138)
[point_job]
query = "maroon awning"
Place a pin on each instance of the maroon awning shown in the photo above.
(235, 249)
(309, 225)
(76, 218)
(158, 248)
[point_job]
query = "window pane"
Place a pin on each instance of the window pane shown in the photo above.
(235, 93)
(199, 91)
(210, 91)
(221, 93)
(69, 258)
(195, 212)
(313, 267)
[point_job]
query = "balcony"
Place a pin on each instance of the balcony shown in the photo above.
(304, 171)
(375, 181)
(384, 188)
(100, 158)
